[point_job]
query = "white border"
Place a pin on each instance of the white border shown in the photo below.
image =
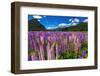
(25, 64)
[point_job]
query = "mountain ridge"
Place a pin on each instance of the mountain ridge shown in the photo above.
(35, 25)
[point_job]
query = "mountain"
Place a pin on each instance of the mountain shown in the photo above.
(79, 27)
(35, 25)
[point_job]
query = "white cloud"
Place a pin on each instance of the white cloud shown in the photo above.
(70, 19)
(86, 20)
(63, 25)
(37, 17)
(39, 20)
(44, 16)
(76, 20)
(74, 24)
(51, 28)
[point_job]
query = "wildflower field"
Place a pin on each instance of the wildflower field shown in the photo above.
(56, 45)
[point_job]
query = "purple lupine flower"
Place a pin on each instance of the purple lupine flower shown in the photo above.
(48, 51)
(83, 54)
(57, 50)
(29, 58)
(34, 57)
(54, 43)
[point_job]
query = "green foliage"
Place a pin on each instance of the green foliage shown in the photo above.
(78, 27)
(73, 54)
(84, 45)
(68, 55)
(32, 52)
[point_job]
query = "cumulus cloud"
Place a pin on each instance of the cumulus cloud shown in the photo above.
(51, 28)
(86, 20)
(70, 19)
(63, 25)
(74, 24)
(39, 20)
(76, 20)
(44, 16)
(37, 17)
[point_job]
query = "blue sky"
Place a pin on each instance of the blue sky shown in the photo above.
(52, 22)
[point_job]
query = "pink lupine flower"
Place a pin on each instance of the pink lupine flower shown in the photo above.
(49, 45)
(57, 51)
(41, 53)
(33, 57)
(48, 51)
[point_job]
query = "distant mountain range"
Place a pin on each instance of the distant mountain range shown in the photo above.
(35, 25)
(79, 27)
